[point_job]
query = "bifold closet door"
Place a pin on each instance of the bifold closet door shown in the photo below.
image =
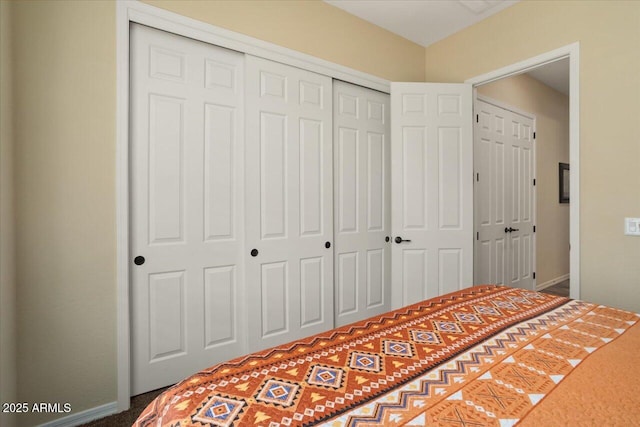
(362, 195)
(186, 207)
(289, 208)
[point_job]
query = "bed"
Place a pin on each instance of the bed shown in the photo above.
(483, 356)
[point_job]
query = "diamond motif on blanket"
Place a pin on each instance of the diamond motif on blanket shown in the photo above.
(468, 318)
(449, 327)
(325, 376)
(219, 411)
(428, 337)
(397, 348)
(278, 392)
(365, 361)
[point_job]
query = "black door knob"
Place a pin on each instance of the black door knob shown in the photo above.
(386, 239)
(506, 229)
(254, 252)
(139, 260)
(327, 245)
(399, 240)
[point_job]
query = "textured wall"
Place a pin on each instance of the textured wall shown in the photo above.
(8, 372)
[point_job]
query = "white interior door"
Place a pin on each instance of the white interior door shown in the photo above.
(432, 190)
(186, 198)
(362, 214)
(504, 196)
(289, 213)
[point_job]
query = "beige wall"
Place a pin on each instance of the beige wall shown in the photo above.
(65, 93)
(551, 109)
(8, 371)
(609, 36)
(64, 113)
(313, 27)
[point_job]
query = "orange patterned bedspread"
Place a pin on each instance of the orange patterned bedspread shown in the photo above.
(483, 356)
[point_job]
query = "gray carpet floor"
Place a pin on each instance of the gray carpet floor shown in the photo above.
(126, 418)
(560, 289)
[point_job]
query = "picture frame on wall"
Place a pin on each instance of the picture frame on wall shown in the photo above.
(563, 182)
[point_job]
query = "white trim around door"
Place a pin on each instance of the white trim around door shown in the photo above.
(571, 51)
(128, 11)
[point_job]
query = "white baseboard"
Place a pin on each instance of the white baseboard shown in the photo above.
(541, 286)
(84, 416)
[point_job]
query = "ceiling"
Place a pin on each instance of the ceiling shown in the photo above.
(427, 21)
(555, 74)
(422, 21)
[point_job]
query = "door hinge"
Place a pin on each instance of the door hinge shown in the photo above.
(477, 177)
(534, 274)
(534, 228)
(534, 182)
(534, 135)
(477, 118)
(477, 235)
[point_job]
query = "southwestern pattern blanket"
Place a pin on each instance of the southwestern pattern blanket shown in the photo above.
(483, 356)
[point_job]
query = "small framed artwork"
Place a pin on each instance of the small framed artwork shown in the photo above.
(563, 180)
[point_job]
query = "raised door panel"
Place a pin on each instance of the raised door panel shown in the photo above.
(275, 299)
(166, 169)
(167, 315)
(221, 306)
(219, 179)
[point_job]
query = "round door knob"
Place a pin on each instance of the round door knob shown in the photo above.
(254, 252)
(506, 229)
(327, 245)
(386, 239)
(139, 260)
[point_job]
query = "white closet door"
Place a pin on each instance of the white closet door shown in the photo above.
(186, 202)
(289, 203)
(432, 190)
(504, 196)
(362, 215)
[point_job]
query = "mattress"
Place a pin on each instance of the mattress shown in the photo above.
(483, 356)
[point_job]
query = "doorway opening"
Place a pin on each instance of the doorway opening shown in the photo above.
(561, 64)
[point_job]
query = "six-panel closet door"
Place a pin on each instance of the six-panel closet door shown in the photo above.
(187, 127)
(289, 204)
(362, 221)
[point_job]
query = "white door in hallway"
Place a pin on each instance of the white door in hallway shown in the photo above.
(362, 197)
(186, 201)
(432, 190)
(504, 152)
(289, 213)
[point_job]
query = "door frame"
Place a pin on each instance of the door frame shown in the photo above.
(132, 11)
(571, 51)
(534, 203)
